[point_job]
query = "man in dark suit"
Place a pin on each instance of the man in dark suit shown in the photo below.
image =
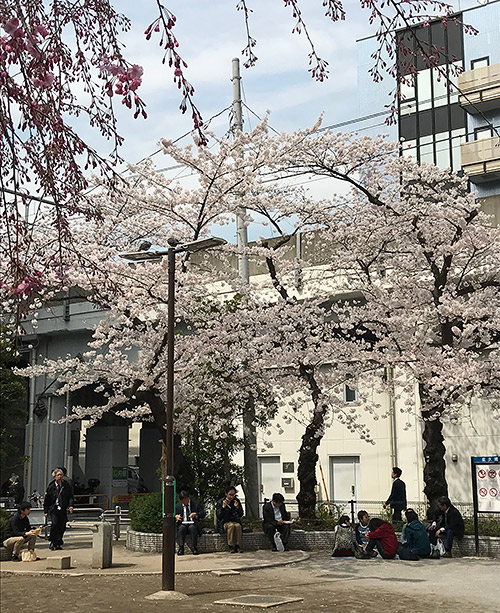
(448, 524)
(57, 502)
(188, 514)
(397, 498)
(274, 517)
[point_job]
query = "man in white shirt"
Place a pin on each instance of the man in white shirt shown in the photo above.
(188, 514)
(276, 519)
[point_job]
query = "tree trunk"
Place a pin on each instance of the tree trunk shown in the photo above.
(250, 463)
(434, 452)
(308, 457)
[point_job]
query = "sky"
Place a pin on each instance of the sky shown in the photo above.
(210, 34)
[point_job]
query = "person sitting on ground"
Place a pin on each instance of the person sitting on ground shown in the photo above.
(188, 514)
(229, 513)
(448, 525)
(381, 536)
(19, 533)
(414, 538)
(343, 538)
(360, 531)
(275, 516)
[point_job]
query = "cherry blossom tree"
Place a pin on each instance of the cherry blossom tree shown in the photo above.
(402, 272)
(49, 51)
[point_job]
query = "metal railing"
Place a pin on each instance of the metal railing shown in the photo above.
(118, 517)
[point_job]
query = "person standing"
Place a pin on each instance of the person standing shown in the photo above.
(57, 502)
(188, 514)
(275, 518)
(19, 533)
(16, 490)
(397, 497)
(229, 513)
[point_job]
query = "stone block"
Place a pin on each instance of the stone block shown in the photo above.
(102, 545)
(59, 562)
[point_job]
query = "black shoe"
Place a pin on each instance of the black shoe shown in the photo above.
(15, 559)
(234, 549)
(286, 548)
(195, 552)
(274, 549)
(180, 551)
(58, 547)
(52, 547)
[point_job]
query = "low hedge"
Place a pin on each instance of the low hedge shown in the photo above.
(4, 520)
(145, 513)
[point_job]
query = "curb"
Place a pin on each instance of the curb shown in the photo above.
(110, 573)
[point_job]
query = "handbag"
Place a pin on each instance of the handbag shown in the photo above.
(278, 542)
(28, 556)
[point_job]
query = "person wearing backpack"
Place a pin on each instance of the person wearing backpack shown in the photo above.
(276, 520)
(343, 537)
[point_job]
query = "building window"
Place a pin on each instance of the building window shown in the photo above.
(482, 133)
(479, 63)
(350, 393)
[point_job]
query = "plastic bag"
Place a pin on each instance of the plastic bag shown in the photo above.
(28, 556)
(278, 542)
(440, 547)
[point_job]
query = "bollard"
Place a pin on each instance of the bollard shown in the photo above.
(102, 545)
(118, 512)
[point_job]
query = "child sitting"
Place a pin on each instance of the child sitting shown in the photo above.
(361, 531)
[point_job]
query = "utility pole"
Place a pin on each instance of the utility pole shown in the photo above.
(250, 462)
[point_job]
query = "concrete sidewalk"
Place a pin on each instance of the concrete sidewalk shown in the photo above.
(136, 563)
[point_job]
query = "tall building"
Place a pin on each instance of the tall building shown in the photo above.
(444, 119)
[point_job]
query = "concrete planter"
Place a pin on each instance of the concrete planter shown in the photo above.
(489, 546)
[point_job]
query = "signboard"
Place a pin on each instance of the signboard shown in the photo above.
(120, 476)
(288, 467)
(487, 483)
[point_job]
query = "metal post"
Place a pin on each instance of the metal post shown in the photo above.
(352, 502)
(168, 547)
(118, 512)
(475, 504)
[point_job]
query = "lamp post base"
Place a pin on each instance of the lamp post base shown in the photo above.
(167, 595)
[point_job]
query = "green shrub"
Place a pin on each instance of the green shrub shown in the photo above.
(486, 527)
(4, 520)
(145, 513)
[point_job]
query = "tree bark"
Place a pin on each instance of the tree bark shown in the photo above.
(434, 453)
(308, 456)
(250, 462)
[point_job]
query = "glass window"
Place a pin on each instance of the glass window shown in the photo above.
(407, 103)
(480, 63)
(350, 393)
(452, 82)
(440, 86)
(443, 150)
(409, 149)
(457, 137)
(427, 150)
(481, 133)
(424, 92)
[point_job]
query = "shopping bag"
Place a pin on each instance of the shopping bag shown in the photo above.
(278, 542)
(440, 547)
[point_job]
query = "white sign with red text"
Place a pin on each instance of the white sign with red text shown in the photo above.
(488, 487)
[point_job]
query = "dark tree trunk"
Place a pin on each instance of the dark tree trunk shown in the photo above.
(434, 452)
(308, 456)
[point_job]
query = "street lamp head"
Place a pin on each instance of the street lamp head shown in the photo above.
(201, 244)
(173, 244)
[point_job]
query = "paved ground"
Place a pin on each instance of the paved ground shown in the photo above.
(340, 585)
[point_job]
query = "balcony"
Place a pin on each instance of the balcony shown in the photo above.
(480, 89)
(481, 159)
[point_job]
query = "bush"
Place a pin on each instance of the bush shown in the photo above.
(4, 520)
(486, 527)
(145, 513)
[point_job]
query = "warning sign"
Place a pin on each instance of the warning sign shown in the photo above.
(487, 482)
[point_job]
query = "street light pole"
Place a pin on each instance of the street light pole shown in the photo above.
(168, 546)
(168, 485)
